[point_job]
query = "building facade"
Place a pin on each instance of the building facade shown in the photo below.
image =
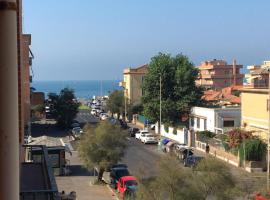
(258, 75)
(132, 83)
(255, 111)
(216, 120)
(218, 74)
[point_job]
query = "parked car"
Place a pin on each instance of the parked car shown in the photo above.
(104, 116)
(116, 173)
(127, 186)
(93, 112)
(192, 161)
(148, 138)
(77, 131)
(123, 124)
(73, 125)
(183, 152)
(132, 131)
(140, 133)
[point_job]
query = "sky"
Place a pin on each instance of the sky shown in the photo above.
(97, 39)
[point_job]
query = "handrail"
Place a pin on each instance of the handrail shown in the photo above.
(47, 172)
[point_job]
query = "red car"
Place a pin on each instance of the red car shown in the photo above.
(127, 186)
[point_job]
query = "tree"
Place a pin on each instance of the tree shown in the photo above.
(178, 89)
(65, 106)
(172, 182)
(102, 147)
(209, 179)
(115, 103)
(214, 179)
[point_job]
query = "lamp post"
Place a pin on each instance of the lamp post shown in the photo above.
(160, 104)
(125, 99)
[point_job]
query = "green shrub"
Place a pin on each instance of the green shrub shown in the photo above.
(254, 149)
(208, 134)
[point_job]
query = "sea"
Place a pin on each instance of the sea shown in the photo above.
(83, 89)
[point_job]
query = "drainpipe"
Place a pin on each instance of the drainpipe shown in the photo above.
(9, 131)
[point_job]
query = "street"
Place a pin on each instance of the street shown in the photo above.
(84, 117)
(141, 158)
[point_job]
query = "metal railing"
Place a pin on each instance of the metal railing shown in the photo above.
(51, 191)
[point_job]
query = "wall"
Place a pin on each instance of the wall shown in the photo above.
(205, 113)
(254, 112)
(37, 98)
(218, 153)
(181, 136)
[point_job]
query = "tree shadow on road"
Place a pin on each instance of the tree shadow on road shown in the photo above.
(79, 170)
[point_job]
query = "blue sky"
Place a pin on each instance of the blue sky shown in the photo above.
(97, 39)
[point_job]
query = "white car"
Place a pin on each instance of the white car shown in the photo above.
(103, 116)
(148, 138)
(93, 111)
(140, 133)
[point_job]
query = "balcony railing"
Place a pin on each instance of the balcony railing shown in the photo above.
(37, 178)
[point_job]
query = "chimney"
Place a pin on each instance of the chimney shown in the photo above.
(234, 72)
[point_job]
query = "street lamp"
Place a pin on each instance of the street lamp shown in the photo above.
(125, 104)
(268, 105)
(160, 104)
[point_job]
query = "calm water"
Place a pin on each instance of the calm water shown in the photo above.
(82, 89)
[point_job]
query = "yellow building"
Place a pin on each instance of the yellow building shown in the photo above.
(132, 83)
(255, 111)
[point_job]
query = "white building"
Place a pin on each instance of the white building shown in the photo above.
(217, 120)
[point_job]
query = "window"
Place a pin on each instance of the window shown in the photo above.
(205, 124)
(192, 121)
(228, 123)
(198, 122)
(142, 85)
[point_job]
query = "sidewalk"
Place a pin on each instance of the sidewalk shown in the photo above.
(79, 181)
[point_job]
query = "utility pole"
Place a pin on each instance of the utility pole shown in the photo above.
(268, 105)
(125, 104)
(160, 104)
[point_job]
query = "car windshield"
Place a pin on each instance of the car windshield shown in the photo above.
(131, 183)
(150, 136)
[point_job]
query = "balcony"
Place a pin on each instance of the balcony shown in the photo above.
(122, 84)
(37, 180)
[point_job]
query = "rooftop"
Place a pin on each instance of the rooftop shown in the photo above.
(139, 70)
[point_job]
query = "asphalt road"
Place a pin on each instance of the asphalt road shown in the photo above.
(141, 158)
(84, 117)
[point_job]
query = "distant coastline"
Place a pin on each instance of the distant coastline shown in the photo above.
(83, 88)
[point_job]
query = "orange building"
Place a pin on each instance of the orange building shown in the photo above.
(218, 74)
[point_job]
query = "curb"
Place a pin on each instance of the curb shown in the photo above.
(115, 195)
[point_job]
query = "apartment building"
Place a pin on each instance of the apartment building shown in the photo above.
(255, 111)
(21, 176)
(132, 83)
(218, 74)
(258, 76)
